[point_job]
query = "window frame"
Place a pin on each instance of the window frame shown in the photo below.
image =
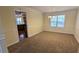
(57, 22)
(21, 22)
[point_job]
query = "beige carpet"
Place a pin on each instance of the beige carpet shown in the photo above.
(47, 42)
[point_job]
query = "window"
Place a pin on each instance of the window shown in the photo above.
(19, 21)
(57, 21)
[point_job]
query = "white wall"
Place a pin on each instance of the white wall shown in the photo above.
(70, 18)
(77, 26)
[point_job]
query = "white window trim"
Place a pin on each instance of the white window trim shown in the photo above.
(57, 21)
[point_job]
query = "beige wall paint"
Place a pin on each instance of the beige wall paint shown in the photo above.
(70, 17)
(77, 26)
(34, 22)
(1, 28)
(9, 25)
(3, 48)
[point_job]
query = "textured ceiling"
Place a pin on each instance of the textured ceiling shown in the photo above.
(53, 8)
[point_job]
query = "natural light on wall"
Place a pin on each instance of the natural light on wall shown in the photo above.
(57, 21)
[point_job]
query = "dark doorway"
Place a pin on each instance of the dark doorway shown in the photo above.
(21, 24)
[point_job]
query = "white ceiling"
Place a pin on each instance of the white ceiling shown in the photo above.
(53, 8)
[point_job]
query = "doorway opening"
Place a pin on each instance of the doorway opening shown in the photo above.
(21, 25)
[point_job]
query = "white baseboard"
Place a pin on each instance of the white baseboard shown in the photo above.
(59, 32)
(12, 43)
(34, 34)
